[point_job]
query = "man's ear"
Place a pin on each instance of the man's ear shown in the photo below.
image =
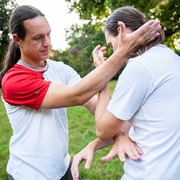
(128, 30)
(17, 40)
(119, 29)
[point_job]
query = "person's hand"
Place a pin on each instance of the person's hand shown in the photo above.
(130, 42)
(98, 55)
(123, 147)
(85, 155)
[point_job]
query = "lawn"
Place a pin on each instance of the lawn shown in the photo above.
(81, 132)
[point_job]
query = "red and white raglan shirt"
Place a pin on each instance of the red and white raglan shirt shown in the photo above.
(24, 87)
(39, 144)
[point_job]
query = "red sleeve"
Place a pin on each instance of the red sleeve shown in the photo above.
(24, 88)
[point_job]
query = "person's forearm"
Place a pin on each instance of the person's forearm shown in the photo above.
(99, 77)
(99, 144)
(59, 95)
(103, 100)
(125, 127)
(124, 130)
(91, 104)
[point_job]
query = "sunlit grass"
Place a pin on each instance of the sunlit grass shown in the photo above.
(5, 133)
(81, 132)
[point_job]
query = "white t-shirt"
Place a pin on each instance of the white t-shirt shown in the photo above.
(148, 93)
(39, 145)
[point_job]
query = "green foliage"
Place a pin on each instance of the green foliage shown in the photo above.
(169, 15)
(82, 41)
(142, 5)
(5, 133)
(81, 132)
(89, 9)
(170, 41)
(6, 7)
(167, 11)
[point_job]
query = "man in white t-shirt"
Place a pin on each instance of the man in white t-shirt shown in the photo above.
(147, 95)
(147, 92)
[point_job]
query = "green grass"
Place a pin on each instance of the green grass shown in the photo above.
(81, 132)
(5, 133)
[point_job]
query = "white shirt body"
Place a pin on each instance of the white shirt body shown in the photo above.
(148, 93)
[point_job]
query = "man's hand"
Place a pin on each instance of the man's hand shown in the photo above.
(85, 155)
(123, 146)
(98, 55)
(130, 42)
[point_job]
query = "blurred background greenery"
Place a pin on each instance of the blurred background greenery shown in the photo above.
(82, 39)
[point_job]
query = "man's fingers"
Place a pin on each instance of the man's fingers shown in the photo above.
(133, 153)
(153, 31)
(150, 30)
(139, 150)
(122, 156)
(75, 165)
(150, 27)
(96, 49)
(143, 35)
(75, 171)
(88, 162)
(109, 156)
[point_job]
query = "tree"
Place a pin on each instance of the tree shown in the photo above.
(169, 15)
(6, 7)
(167, 11)
(81, 41)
